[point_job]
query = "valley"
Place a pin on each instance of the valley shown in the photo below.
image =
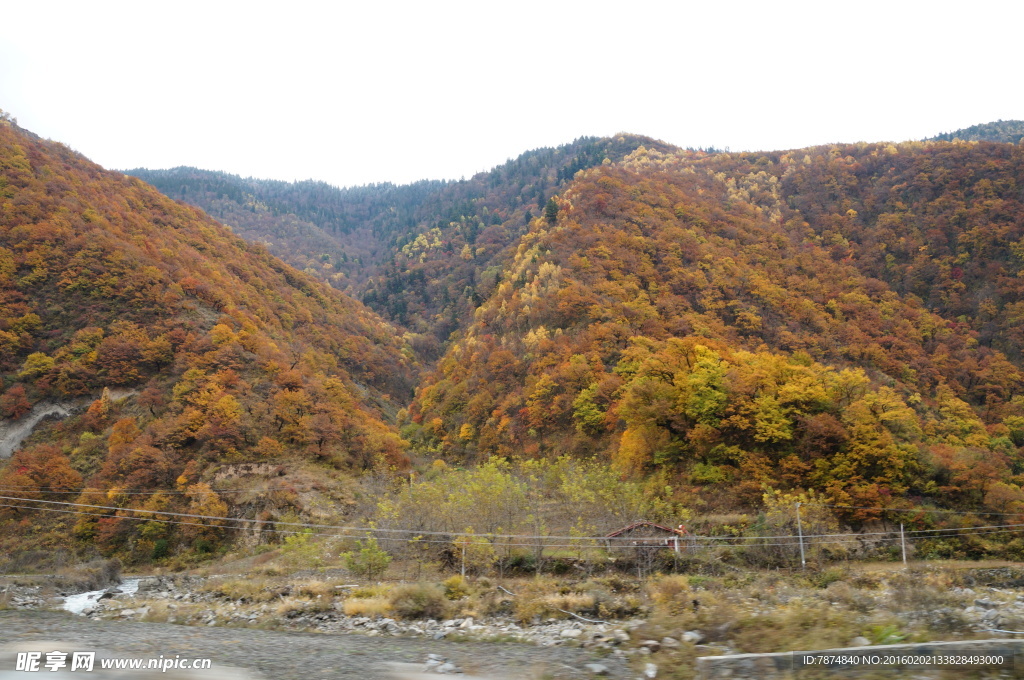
(615, 377)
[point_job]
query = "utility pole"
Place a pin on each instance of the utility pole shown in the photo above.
(800, 533)
(903, 544)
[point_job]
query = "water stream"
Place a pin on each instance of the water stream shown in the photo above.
(79, 602)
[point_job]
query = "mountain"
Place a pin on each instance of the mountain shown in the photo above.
(843, 321)
(735, 321)
(842, 318)
(1003, 131)
(185, 353)
(940, 223)
(422, 255)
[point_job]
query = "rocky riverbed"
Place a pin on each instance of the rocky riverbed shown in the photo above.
(184, 600)
(284, 655)
(190, 600)
(362, 646)
(641, 644)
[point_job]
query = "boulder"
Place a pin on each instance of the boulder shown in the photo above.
(651, 645)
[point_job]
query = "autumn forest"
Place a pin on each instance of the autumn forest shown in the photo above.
(691, 332)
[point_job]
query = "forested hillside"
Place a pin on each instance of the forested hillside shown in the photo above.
(842, 318)
(183, 351)
(941, 223)
(1008, 131)
(844, 322)
(422, 255)
(704, 317)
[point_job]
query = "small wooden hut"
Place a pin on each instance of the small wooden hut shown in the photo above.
(644, 534)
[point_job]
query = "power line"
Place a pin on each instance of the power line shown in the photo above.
(315, 487)
(415, 539)
(721, 541)
(142, 519)
(608, 539)
(929, 510)
(780, 541)
(131, 492)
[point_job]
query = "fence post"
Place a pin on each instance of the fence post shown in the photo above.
(800, 533)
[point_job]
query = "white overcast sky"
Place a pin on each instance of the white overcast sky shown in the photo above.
(359, 92)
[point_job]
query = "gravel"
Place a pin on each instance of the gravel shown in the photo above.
(301, 656)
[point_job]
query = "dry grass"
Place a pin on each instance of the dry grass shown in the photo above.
(252, 589)
(778, 611)
(670, 592)
(261, 588)
(545, 598)
(368, 606)
(744, 611)
(89, 576)
(812, 625)
(315, 590)
(373, 591)
(158, 611)
(290, 607)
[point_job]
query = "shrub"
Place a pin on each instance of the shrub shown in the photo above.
(369, 560)
(456, 588)
(670, 592)
(418, 601)
(519, 562)
(799, 626)
(827, 577)
(160, 549)
(301, 551)
(543, 599)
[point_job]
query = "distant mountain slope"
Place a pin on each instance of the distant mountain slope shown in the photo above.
(684, 321)
(939, 222)
(228, 355)
(1008, 131)
(326, 231)
(423, 255)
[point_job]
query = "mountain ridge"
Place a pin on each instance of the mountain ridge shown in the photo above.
(842, 320)
(422, 236)
(230, 357)
(999, 131)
